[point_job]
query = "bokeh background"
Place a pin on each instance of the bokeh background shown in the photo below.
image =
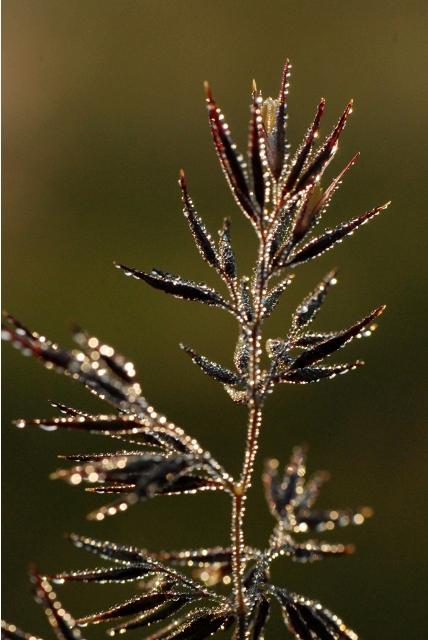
(102, 105)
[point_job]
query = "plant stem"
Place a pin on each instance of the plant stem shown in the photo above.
(255, 403)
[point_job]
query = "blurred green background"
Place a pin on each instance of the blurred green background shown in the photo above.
(102, 105)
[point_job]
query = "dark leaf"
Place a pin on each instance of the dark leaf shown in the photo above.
(160, 434)
(306, 375)
(184, 484)
(329, 346)
(68, 411)
(197, 625)
(156, 615)
(326, 520)
(177, 286)
(241, 356)
(61, 622)
(136, 605)
(200, 234)
(199, 557)
(304, 151)
(310, 306)
(257, 152)
(227, 257)
(212, 369)
(312, 339)
(334, 622)
(109, 574)
(146, 475)
(117, 363)
(281, 492)
(126, 396)
(324, 156)
(315, 623)
(109, 550)
(309, 617)
(315, 207)
(292, 617)
(311, 551)
(277, 139)
(245, 297)
(260, 616)
(274, 295)
(232, 162)
(317, 246)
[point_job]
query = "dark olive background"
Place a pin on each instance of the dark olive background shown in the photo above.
(102, 105)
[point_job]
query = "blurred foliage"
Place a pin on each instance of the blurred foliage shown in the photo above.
(102, 105)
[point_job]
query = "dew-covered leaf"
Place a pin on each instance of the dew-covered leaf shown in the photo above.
(62, 623)
(304, 151)
(313, 338)
(137, 477)
(310, 306)
(257, 152)
(184, 484)
(327, 519)
(97, 350)
(309, 620)
(177, 286)
(212, 369)
(259, 618)
(231, 161)
(329, 346)
(306, 375)
(77, 365)
(277, 138)
(199, 232)
(108, 574)
(136, 605)
(323, 243)
(274, 295)
(312, 551)
(241, 356)
(281, 492)
(317, 204)
(157, 614)
(245, 297)
(200, 557)
(197, 625)
(227, 256)
(109, 550)
(323, 157)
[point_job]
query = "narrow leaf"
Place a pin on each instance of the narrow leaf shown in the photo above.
(326, 153)
(232, 162)
(273, 297)
(257, 152)
(306, 375)
(136, 605)
(314, 208)
(329, 346)
(62, 623)
(310, 306)
(156, 615)
(109, 550)
(227, 257)
(177, 286)
(323, 243)
(212, 369)
(199, 232)
(116, 362)
(304, 151)
(278, 140)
